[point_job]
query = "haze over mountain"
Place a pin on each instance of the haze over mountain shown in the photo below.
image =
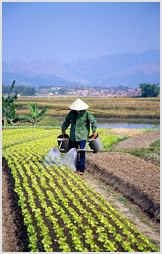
(126, 69)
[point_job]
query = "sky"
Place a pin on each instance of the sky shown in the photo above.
(69, 31)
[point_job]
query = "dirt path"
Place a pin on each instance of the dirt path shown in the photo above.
(140, 140)
(127, 209)
(124, 131)
(136, 179)
(9, 241)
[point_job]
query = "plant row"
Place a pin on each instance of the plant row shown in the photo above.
(60, 210)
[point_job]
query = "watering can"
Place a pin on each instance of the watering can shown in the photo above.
(94, 143)
(63, 143)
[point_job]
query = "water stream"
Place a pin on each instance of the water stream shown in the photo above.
(128, 125)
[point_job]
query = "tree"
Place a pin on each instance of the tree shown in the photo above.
(22, 90)
(149, 90)
(8, 107)
(35, 116)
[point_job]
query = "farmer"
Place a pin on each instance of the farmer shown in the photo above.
(80, 119)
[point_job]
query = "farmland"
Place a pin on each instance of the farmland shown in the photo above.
(128, 109)
(60, 211)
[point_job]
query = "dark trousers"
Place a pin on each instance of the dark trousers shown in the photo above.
(81, 156)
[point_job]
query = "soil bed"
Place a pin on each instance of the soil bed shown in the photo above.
(142, 140)
(136, 179)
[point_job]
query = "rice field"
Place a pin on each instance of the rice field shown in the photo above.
(119, 108)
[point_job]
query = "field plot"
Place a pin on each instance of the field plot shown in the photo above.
(60, 210)
(116, 108)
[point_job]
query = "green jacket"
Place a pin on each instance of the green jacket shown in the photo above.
(80, 124)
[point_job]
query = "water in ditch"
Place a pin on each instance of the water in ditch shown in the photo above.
(127, 125)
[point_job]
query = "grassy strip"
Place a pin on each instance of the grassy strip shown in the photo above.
(151, 152)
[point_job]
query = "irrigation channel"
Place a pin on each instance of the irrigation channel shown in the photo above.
(128, 125)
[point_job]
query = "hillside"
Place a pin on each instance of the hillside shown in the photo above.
(127, 69)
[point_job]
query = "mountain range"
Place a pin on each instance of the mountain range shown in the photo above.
(126, 69)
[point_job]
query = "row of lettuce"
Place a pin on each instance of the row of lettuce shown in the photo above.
(60, 210)
(17, 136)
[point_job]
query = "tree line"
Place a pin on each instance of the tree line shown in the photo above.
(22, 90)
(147, 90)
(9, 113)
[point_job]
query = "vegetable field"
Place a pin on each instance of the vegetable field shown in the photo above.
(60, 210)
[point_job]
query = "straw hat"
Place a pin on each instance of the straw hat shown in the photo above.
(78, 105)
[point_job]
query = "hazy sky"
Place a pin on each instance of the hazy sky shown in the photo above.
(68, 31)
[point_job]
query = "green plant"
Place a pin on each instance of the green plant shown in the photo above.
(35, 115)
(8, 107)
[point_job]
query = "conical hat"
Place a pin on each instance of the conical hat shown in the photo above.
(78, 105)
